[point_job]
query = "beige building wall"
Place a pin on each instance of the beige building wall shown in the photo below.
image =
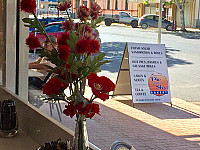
(132, 7)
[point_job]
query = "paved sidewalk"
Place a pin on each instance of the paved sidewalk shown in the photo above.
(156, 126)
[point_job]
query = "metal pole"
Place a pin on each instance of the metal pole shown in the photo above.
(160, 22)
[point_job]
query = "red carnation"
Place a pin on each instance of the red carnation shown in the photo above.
(63, 52)
(83, 12)
(64, 5)
(32, 42)
(91, 110)
(28, 6)
(95, 10)
(63, 39)
(54, 86)
(82, 46)
(67, 25)
(100, 85)
(88, 29)
(70, 109)
(95, 46)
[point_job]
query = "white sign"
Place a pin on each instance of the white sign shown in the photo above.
(148, 73)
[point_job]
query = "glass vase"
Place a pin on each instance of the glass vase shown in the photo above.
(80, 140)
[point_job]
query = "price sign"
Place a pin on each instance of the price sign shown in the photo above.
(148, 73)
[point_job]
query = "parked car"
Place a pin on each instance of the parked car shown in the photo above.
(152, 21)
(123, 17)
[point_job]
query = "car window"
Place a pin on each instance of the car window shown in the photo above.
(156, 18)
(149, 17)
(52, 28)
(124, 15)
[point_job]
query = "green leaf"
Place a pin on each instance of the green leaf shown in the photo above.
(27, 20)
(78, 64)
(26, 25)
(72, 40)
(43, 25)
(73, 69)
(100, 19)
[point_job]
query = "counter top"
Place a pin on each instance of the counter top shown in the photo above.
(21, 141)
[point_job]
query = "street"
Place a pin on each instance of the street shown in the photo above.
(182, 52)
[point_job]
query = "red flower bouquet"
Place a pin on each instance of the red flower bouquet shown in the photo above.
(74, 60)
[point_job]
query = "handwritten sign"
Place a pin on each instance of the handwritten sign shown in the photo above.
(148, 73)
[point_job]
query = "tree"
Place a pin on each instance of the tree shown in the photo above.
(181, 5)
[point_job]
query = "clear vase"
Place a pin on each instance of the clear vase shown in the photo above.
(80, 141)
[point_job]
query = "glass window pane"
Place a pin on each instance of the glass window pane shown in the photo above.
(1, 38)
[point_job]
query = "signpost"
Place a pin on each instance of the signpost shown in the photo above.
(148, 81)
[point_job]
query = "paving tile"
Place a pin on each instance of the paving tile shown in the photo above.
(145, 126)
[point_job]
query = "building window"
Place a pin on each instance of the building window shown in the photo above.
(108, 7)
(126, 5)
(84, 3)
(77, 3)
(116, 5)
(150, 9)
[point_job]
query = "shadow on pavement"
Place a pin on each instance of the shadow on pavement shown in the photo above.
(186, 35)
(114, 52)
(171, 61)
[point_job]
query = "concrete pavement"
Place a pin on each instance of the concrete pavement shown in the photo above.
(156, 126)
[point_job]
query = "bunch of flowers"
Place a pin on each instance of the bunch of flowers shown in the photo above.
(77, 59)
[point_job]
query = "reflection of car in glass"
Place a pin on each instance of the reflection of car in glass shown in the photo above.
(48, 20)
(55, 29)
(152, 21)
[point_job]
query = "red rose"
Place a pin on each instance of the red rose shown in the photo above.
(32, 42)
(53, 86)
(28, 6)
(100, 85)
(63, 52)
(63, 39)
(82, 46)
(95, 46)
(83, 12)
(64, 5)
(70, 109)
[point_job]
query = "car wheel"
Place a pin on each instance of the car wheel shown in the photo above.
(134, 24)
(169, 28)
(144, 26)
(108, 22)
